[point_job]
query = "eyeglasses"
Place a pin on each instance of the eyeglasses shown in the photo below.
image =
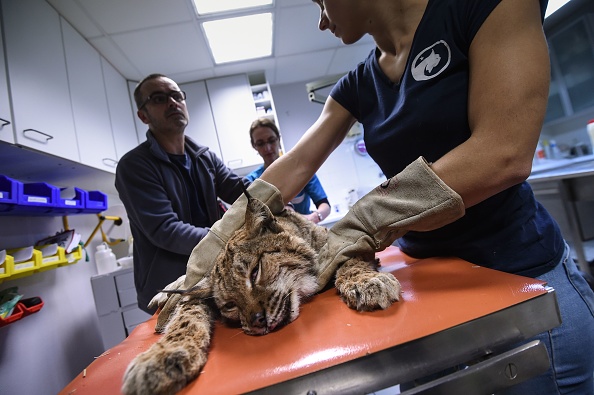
(163, 97)
(271, 141)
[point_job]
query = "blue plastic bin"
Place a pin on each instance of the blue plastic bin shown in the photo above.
(8, 193)
(36, 198)
(95, 202)
(71, 205)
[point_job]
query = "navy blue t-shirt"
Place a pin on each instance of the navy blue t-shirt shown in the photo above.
(426, 114)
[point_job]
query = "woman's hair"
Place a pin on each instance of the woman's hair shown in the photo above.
(264, 123)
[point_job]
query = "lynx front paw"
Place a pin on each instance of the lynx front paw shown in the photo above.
(368, 290)
(157, 372)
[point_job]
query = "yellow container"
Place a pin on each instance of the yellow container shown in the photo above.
(73, 256)
(25, 268)
(51, 261)
(6, 267)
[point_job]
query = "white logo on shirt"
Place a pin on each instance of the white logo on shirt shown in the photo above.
(431, 61)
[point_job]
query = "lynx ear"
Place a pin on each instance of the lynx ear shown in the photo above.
(259, 218)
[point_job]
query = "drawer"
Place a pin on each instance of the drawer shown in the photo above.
(125, 280)
(134, 316)
(125, 289)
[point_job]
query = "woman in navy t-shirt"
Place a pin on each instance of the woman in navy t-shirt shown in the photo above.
(464, 85)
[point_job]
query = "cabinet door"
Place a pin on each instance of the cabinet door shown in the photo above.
(89, 102)
(141, 127)
(233, 111)
(37, 74)
(6, 129)
(574, 51)
(120, 110)
(201, 127)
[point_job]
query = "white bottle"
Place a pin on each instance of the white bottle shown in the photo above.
(105, 259)
(590, 128)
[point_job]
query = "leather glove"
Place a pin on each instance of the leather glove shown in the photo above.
(414, 199)
(206, 251)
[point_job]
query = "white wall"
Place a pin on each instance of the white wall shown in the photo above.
(43, 352)
(344, 169)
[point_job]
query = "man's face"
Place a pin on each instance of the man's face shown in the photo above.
(164, 106)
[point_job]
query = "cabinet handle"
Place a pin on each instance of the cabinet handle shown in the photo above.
(48, 137)
(109, 162)
(4, 122)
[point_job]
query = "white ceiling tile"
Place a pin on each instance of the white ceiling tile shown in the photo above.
(76, 16)
(304, 67)
(297, 31)
(116, 16)
(168, 49)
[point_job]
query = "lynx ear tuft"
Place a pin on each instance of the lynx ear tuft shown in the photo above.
(259, 219)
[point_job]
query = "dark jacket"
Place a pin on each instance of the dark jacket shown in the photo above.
(157, 203)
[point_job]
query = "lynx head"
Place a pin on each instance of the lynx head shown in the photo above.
(265, 271)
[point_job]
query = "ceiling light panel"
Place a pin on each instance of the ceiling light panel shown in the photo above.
(241, 38)
(206, 7)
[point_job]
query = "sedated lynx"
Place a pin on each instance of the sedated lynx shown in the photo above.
(259, 280)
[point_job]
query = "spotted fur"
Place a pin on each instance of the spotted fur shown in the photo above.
(259, 280)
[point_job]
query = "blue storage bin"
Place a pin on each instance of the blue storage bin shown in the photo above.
(8, 193)
(69, 204)
(36, 198)
(95, 202)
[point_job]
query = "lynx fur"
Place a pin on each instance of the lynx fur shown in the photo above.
(259, 280)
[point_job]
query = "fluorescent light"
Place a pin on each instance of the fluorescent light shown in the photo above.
(204, 7)
(554, 5)
(240, 38)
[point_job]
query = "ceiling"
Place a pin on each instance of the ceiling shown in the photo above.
(140, 37)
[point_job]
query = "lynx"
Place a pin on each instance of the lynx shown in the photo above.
(259, 280)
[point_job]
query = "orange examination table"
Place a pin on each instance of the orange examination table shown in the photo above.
(451, 313)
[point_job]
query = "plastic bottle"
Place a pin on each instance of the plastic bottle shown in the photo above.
(555, 152)
(105, 259)
(540, 153)
(590, 128)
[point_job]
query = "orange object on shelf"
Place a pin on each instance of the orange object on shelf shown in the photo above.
(20, 311)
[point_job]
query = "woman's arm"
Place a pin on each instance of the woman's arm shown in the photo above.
(508, 92)
(303, 160)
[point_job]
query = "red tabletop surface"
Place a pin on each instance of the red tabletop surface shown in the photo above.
(438, 293)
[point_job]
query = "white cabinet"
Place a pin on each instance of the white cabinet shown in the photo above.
(201, 127)
(6, 129)
(120, 110)
(233, 110)
(89, 102)
(38, 80)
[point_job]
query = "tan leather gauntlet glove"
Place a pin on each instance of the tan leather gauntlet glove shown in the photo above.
(204, 254)
(415, 199)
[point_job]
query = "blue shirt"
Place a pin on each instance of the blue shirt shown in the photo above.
(313, 191)
(425, 114)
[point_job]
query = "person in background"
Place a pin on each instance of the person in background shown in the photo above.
(170, 187)
(265, 138)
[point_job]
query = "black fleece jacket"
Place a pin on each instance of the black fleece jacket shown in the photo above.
(157, 203)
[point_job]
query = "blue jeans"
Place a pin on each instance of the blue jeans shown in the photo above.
(570, 345)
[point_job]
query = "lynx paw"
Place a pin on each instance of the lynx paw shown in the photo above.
(369, 291)
(157, 372)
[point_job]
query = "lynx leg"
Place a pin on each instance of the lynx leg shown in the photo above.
(177, 358)
(363, 288)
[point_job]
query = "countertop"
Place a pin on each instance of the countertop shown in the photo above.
(556, 169)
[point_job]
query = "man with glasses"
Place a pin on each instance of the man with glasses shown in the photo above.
(170, 187)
